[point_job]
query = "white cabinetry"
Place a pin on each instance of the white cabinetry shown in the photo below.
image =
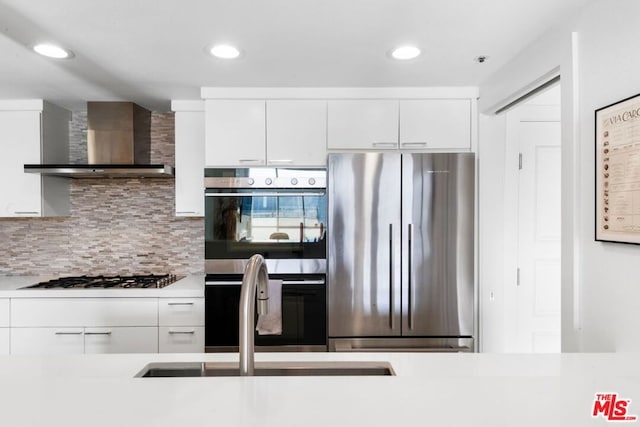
(296, 133)
(84, 325)
(181, 325)
(189, 147)
(142, 339)
(297, 126)
(235, 133)
(435, 124)
(32, 132)
(257, 132)
(4, 326)
(47, 340)
(363, 124)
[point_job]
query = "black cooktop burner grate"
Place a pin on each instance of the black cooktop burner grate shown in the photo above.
(106, 282)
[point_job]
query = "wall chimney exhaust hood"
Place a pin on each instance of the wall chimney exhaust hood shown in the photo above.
(118, 145)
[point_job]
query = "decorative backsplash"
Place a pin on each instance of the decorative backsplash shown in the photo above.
(117, 226)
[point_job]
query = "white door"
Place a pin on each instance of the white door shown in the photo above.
(535, 286)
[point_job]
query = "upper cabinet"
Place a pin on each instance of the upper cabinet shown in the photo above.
(363, 124)
(296, 133)
(258, 132)
(33, 131)
(435, 124)
(235, 133)
(298, 126)
(189, 148)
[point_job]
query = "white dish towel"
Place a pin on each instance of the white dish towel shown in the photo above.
(271, 323)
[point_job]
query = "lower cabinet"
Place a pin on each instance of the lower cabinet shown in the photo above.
(181, 327)
(101, 325)
(121, 340)
(181, 339)
(84, 340)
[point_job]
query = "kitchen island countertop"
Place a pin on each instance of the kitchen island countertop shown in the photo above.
(429, 389)
(191, 286)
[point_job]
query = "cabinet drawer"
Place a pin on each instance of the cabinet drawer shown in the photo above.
(181, 312)
(121, 340)
(61, 312)
(47, 341)
(4, 340)
(181, 339)
(4, 312)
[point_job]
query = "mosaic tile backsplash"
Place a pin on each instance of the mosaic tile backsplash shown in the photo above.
(117, 226)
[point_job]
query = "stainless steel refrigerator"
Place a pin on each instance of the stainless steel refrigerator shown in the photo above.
(401, 251)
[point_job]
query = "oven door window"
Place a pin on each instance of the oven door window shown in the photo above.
(282, 224)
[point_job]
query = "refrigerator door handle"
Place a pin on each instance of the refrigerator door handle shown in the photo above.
(391, 325)
(410, 275)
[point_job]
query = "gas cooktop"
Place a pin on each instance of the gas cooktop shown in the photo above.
(105, 282)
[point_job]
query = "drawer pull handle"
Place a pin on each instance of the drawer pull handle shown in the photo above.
(191, 332)
(98, 333)
(180, 303)
(26, 213)
(67, 333)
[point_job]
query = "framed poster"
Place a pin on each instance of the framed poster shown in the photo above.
(618, 171)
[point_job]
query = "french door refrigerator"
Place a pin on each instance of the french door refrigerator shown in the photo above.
(401, 251)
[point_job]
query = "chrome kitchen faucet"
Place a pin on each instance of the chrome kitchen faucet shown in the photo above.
(255, 277)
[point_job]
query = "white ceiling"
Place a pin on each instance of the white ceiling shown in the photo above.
(152, 51)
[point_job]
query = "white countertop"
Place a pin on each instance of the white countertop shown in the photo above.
(429, 390)
(191, 286)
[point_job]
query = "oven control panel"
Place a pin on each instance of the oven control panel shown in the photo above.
(265, 182)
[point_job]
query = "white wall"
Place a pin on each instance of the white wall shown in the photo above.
(599, 65)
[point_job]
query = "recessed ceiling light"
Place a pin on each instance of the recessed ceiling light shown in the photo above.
(405, 52)
(480, 59)
(224, 51)
(52, 51)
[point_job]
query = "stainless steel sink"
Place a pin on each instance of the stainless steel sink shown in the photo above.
(220, 369)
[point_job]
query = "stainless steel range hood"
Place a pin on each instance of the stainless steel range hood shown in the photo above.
(118, 145)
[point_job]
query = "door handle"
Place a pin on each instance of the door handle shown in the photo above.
(410, 275)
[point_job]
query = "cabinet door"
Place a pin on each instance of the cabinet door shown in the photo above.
(190, 163)
(81, 312)
(4, 340)
(47, 341)
(297, 133)
(121, 340)
(435, 124)
(235, 132)
(181, 339)
(20, 193)
(363, 124)
(181, 311)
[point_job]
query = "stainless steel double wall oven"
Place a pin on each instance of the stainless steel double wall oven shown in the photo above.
(279, 213)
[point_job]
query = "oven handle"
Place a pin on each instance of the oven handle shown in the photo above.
(272, 194)
(284, 282)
